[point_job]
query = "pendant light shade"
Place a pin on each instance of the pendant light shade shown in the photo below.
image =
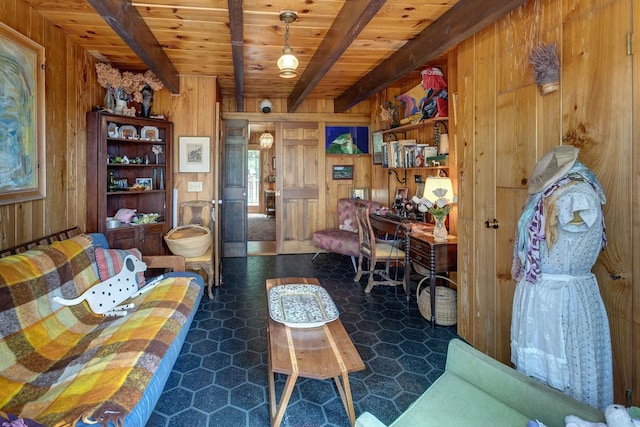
(266, 140)
(288, 63)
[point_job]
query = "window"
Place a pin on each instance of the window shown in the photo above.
(253, 181)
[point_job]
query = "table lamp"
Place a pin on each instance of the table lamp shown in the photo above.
(437, 200)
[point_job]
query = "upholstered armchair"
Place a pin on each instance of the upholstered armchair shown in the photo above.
(344, 239)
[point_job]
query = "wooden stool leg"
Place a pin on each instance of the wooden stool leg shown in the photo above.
(209, 269)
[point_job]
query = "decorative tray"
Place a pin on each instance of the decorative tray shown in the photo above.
(301, 306)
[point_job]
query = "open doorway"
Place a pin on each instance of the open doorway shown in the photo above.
(261, 234)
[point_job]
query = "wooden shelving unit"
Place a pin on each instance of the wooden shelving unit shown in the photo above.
(107, 141)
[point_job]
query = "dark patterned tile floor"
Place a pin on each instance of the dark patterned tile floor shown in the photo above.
(220, 378)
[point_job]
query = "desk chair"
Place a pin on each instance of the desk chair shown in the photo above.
(375, 252)
(199, 212)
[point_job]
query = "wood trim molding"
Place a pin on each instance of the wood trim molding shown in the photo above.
(353, 119)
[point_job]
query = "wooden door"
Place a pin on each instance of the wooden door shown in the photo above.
(300, 191)
(234, 189)
(597, 117)
(217, 191)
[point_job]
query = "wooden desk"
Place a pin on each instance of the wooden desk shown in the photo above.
(320, 353)
(437, 257)
(422, 249)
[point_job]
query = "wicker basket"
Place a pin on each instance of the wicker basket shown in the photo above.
(190, 241)
(446, 304)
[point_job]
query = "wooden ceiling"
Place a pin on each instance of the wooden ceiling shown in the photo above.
(348, 49)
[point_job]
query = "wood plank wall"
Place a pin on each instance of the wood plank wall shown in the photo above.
(71, 90)
(505, 125)
(193, 113)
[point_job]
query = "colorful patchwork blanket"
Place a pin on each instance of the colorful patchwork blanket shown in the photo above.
(62, 364)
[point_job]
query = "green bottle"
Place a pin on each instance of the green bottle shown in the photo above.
(111, 185)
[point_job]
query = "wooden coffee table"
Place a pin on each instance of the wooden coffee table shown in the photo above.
(320, 353)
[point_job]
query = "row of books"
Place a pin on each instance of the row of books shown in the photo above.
(406, 153)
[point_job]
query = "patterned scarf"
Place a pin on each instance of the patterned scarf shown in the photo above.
(531, 226)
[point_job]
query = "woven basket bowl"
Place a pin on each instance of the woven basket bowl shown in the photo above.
(190, 241)
(446, 304)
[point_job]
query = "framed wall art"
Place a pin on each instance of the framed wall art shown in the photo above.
(376, 147)
(194, 154)
(402, 193)
(347, 139)
(343, 172)
(361, 193)
(22, 125)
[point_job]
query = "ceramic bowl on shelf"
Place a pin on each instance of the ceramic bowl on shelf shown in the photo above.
(113, 222)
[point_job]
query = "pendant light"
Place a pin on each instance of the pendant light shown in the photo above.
(266, 140)
(288, 63)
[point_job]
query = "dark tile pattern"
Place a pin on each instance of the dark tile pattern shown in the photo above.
(220, 378)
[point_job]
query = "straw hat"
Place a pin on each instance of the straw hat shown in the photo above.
(552, 166)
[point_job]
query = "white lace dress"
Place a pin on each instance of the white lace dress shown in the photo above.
(559, 330)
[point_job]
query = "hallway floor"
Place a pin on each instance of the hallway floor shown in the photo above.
(220, 377)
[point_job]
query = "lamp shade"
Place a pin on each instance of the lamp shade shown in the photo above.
(266, 140)
(288, 64)
(437, 187)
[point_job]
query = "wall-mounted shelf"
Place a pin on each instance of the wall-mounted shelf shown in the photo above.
(411, 126)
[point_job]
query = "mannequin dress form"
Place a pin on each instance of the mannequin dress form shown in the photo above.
(559, 330)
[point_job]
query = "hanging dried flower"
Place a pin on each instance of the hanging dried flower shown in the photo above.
(546, 67)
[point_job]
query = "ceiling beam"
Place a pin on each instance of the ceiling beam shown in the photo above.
(237, 50)
(352, 19)
(127, 22)
(460, 22)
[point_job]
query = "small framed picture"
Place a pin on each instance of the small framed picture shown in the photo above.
(360, 193)
(376, 147)
(343, 172)
(194, 154)
(402, 193)
(145, 182)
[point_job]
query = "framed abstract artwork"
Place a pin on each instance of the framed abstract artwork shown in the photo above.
(22, 123)
(347, 139)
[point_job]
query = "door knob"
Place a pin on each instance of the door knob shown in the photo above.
(492, 224)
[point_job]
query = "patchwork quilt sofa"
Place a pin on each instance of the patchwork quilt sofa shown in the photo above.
(65, 365)
(344, 239)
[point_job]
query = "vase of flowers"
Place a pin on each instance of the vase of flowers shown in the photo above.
(438, 206)
(440, 232)
(157, 150)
